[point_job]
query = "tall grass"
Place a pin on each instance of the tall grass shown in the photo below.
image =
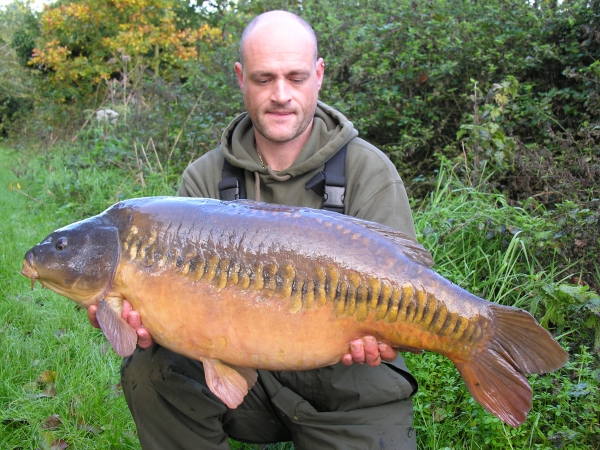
(56, 364)
(489, 247)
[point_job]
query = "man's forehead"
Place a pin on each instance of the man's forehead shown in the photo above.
(269, 55)
(281, 39)
(286, 70)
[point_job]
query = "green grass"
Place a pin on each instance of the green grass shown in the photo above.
(478, 241)
(41, 332)
(489, 247)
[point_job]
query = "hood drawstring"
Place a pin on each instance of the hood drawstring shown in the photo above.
(256, 186)
(273, 175)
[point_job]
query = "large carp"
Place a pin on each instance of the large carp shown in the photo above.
(247, 285)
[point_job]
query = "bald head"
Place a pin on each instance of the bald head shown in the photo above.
(274, 22)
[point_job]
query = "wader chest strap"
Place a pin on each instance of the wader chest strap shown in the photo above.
(232, 186)
(331, 182)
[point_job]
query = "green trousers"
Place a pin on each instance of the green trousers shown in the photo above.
(335, 407)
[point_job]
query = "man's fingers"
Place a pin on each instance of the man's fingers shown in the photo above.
(387, 353)
(134, 320)
(347, 359)
(372, 356)
(368, 350)
(357, 351)
(91, 313)
(144, 338)
(127, 308)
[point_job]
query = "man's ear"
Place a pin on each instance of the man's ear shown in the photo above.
(320, 72)
(240, 75)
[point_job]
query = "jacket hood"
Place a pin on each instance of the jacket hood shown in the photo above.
(331, 130)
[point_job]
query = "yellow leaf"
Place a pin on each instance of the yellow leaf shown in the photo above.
(48, 376)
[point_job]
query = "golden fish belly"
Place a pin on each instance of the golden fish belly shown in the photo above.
(260, 323)
(247, 328)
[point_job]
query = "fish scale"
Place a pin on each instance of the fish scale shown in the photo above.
(351, 294)
(245, 285)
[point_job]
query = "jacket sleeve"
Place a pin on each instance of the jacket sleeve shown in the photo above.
(201, 178)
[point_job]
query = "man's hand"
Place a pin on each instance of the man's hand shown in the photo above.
(133, 319)
(368, 350)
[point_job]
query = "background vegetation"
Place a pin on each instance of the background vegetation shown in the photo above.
(490, 111)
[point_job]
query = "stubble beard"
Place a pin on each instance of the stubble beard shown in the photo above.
(296, 130)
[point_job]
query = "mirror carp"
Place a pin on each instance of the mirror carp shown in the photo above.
(247, 285)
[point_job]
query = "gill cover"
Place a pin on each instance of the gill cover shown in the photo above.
(78, 261)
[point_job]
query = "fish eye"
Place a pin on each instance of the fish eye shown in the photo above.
(61, 244)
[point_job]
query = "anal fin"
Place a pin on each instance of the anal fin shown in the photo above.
(229, 383)
(119, 333)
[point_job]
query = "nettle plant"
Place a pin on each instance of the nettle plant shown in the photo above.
(487, 137)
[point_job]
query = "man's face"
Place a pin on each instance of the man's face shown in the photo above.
(280, 81)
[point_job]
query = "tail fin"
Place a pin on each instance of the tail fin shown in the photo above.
(518, 346)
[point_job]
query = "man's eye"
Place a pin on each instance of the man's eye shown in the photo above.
(297, 80)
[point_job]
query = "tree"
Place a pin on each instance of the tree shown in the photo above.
(84, 42)
(17, 32)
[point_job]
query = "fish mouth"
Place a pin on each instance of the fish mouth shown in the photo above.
(28, 270)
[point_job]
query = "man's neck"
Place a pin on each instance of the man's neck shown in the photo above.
(281, 155)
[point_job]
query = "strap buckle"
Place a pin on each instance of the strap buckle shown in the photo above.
(334, 198)
(230, 189)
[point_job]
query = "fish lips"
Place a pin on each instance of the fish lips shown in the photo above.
(28, 270)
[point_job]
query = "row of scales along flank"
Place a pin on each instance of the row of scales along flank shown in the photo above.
(349, 292)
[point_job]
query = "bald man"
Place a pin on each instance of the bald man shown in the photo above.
(282, 141)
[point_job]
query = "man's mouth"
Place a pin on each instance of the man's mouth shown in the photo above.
(280, 113)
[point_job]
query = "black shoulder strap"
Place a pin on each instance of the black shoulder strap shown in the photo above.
(331, 182)
(232, 186)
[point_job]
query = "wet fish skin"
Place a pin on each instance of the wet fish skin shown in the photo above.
(251, 285)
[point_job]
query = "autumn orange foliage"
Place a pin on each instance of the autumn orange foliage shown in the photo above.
(87, 41)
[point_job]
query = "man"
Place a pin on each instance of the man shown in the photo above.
(285, 138)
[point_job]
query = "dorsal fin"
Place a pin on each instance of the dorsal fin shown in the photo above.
(411, 248)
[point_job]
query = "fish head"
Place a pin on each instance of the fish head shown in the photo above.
(78, 261)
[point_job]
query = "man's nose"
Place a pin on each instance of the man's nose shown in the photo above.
(281, 92)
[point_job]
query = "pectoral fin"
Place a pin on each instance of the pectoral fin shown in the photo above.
(119, 333)
(230, 384)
